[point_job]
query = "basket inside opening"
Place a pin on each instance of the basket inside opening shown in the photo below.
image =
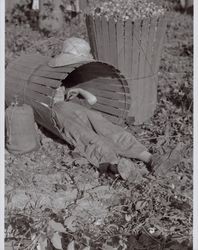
(88, 74)
(104, 82)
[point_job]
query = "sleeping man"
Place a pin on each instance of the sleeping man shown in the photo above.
(103, 143)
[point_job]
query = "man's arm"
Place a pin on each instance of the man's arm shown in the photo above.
(90, 98)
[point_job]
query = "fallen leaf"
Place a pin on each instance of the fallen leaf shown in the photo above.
(140, 205)
(42, 243)
(98, 222)
(19, 199)
(57, 227)
(71, 245)
(128, 217)
(173, 158)
(56, 241)
(62, 197)
(70, 223)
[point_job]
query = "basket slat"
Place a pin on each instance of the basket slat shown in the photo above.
(113, 103)
(62, 69)
(109, 85)
(110, 88)
(152, 92)
(143, 47)
(45, 81)
(31, 94)
(51, 75)
(97, 41)
(148, 70)
(98, 32)
(136, 48)
(91, 24)
(120, 45)
(103, 93)
(105, 40)
(41, 89)
(112, 81)
(107, 109)
(18, 75)
(113, 42)
(134, 84)
(156, 43)
(90, 34)
(142, 100)
(128, 49)
(148, 67)
(159, 42)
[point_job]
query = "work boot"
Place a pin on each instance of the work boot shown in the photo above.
(108, 168)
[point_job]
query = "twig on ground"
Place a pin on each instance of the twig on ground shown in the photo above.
(161, 136)
(147, 233)
(18, 247)
(114, 182)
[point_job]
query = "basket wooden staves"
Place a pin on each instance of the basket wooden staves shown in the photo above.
(134, 47)
(35, 83)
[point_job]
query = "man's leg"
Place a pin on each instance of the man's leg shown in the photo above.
(125, 144)
(72, 119)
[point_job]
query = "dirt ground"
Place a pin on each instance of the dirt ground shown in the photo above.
(54, 199)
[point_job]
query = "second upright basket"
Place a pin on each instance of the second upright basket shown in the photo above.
(134, 47)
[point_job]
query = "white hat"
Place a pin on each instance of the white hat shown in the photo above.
(75, 50)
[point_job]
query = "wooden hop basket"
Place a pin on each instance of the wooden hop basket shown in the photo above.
(35, 83)
(134, 47)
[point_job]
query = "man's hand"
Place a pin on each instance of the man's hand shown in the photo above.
(90, 98)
